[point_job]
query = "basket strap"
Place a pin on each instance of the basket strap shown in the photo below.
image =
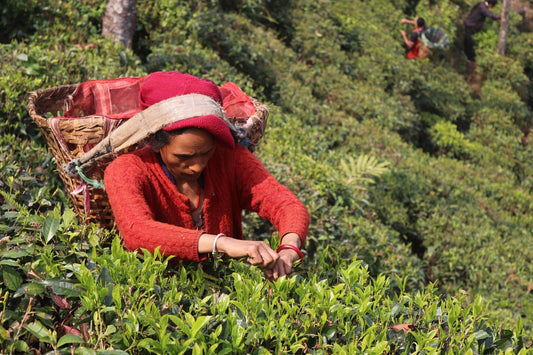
(82, 187)
(148, 122)
(110, 125)
(53, 123)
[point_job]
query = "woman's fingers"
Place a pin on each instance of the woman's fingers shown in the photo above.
(258, 253)
(285, 264)
(261, 254)
(282, 267)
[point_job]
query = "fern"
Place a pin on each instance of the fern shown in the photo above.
(11, 199)
(363, 170)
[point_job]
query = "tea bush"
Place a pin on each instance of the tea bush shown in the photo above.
(416, 174)
(84, 294)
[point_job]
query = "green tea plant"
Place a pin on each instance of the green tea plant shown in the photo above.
(95, 295)
(416, 176)
(453, 142)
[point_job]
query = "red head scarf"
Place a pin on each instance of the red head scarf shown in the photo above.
(160, 86)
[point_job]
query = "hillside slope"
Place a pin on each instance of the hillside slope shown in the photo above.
(456, 204)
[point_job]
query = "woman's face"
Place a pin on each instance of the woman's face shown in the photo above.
(186, 154)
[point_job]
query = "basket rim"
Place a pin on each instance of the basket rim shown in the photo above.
(37, 95)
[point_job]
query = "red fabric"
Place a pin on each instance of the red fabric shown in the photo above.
(160, 86)
(121, 98)
(150, 212)
(235, 102)
(211, 123)
(112, 98)
(414, 51)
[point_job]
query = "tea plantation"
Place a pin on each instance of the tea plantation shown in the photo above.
(417, 175)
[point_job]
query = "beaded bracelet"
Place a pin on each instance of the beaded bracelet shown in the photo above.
(215, 242)
(292, 247)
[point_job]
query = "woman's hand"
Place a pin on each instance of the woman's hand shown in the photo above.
(407, 41)
(404, 20)
(287, 257)
(283, 266)
(258, 253)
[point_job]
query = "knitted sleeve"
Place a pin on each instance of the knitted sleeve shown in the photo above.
(261, 192)
(135, 200)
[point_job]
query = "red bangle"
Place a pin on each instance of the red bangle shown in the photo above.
(292, 247)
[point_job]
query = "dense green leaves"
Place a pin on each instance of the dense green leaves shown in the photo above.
(416, 173)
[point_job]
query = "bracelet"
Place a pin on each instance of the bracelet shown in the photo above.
(215, 242)
(292, 247)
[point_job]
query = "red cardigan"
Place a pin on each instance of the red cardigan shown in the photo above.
(150, 212)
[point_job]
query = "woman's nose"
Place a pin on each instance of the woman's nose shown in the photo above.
(198, 165)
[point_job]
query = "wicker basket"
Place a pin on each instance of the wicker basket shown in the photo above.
(78, 135)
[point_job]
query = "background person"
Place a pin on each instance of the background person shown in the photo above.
(474, 22)
(413, 43)
(186, 191)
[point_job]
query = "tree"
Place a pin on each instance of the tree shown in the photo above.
(504, 26)
(120, 20)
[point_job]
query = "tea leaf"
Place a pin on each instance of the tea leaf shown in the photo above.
(10, 262)
(14, 254)
(481, 334)
(22, 57)
(41, 332)
(63, 288)
(11, 214)
(4, 334)
(31, 289)
(85, 351)
(50, 227)
(69, 339)
(12, 278)
(68, 216)
(199, 324)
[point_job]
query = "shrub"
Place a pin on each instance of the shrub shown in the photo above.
(339, 89)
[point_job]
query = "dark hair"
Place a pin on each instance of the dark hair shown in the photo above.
(492, 2)
(161, 138)
(420, 22)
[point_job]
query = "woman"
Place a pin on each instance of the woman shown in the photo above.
(413, 43)
(185, 192)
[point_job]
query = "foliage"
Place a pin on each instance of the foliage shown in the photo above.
(450, 141)
(70, 290)
(416, 173)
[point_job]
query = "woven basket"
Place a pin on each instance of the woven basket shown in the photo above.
(78, 135)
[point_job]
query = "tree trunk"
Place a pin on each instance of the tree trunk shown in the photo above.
(120, 20)
(504, 26)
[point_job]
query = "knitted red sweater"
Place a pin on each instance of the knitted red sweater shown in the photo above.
(150, 212)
